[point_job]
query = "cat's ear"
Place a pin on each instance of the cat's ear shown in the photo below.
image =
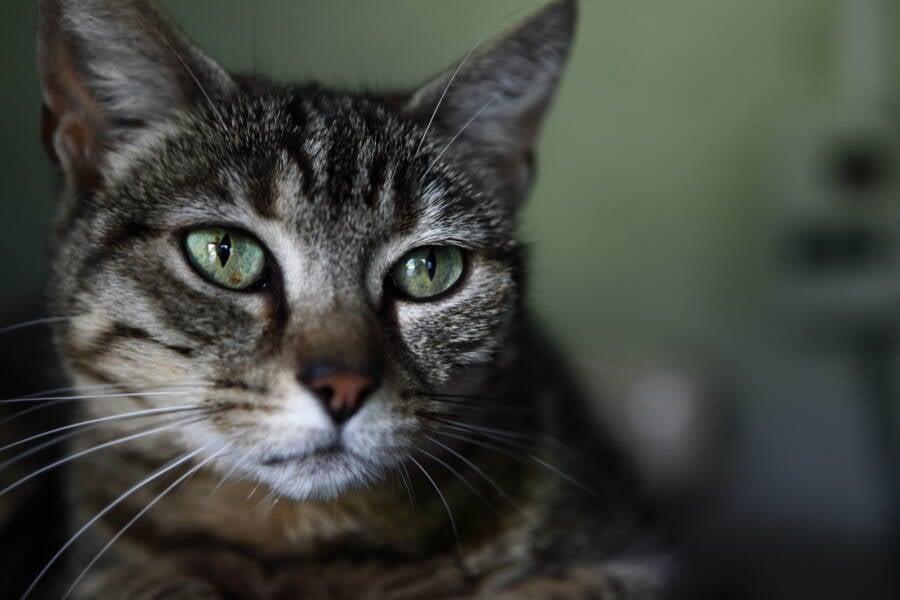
(110, 67)
(493, 103)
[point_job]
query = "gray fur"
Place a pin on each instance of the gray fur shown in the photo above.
(337, 186)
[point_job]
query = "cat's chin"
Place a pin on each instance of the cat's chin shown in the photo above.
(322, 475)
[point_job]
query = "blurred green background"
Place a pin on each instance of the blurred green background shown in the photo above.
(646, 217)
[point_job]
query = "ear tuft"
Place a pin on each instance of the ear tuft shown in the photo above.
(108, 67)
(496, 101)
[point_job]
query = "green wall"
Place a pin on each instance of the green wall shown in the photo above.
(646, 219)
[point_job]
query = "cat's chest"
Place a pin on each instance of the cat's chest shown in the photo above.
(370, 578)
(440, 577)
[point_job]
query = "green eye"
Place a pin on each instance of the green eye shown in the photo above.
(428, 271)
(227, 257)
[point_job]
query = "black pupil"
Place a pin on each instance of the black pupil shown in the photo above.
(224, 249)
(431, 263)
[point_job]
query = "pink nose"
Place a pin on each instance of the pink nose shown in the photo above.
(342, 394)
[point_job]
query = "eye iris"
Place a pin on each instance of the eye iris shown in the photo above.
(226, 257)
(429, 271)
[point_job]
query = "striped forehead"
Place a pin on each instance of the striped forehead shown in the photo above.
(323, 180)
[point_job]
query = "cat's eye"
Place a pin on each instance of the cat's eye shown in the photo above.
(428, 271)
(227, 257)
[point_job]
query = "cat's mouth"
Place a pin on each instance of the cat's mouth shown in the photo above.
(330, 450)
(323, 471)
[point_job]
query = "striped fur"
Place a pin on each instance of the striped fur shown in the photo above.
(154, 139)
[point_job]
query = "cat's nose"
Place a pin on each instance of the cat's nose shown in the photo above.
(342, 392)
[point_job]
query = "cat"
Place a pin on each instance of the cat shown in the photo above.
(291, 302)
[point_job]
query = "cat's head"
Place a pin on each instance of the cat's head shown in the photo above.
(311, 267)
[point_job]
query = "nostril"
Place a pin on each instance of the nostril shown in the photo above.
(324, 392)
(341, 393)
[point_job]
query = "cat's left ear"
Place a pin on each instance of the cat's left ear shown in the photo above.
(109, 68)
(493, 104)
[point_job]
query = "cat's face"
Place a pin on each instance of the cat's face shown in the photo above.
(312, 266)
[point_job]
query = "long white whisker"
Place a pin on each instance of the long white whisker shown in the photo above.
(193, 76)
(505, 452)
(32, 451)
(159, 473)
(29, 410)
(72, 388)
(252, 492)
(40, 396)
(222, 481)
(47, 402)
(56, 440)
(459, 67)
(130, 415)
(32, 323)
(512, 438)
(407, 483)
(90, 450)
(474, 467)
(28, 399)
(446, 147)
(475, 491)
(568, 478)
(437, 106)
(469, 439)
(134, 520)
(443, 500)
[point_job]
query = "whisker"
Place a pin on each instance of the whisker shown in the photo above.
(525, 439)
(443, 500)
(518, 457)
(474, 467)
(92, 449)
(136, 517)
(59, 390)
(515, 443)
(446, 147)
(42, 446)
(253, 491)
(159, 473)
(503, 433)
(486, 407)
(222, 481)
(449, 395)
(47, 402)
(565, 476)
(462, 479)
(477, 442)
(193, 76)
(407, 482)
(440, 101)
(29, 399)
(263, 500)
(459, 67)
(72, 388)
(32, 451)
(131, 415)
(32, 323)
(29, 410)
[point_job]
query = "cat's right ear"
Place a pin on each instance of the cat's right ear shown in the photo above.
(109, 68)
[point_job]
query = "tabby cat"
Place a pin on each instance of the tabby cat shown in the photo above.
(300, 313)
